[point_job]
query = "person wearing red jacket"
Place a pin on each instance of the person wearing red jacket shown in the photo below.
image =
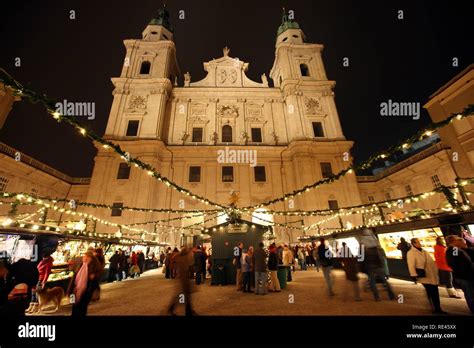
(444, 271)
(44, 270)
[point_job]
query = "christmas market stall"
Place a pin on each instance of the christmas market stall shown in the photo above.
(224, 240)
(33, 241)
(389, 236)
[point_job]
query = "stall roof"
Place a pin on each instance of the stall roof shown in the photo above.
(32, 232)
(436, 221)
(241, 221)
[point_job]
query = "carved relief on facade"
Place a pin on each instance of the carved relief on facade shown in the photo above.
(254, 111)
(199, 109)
(312, 105)
(228, 111)
(121, 90)
(255, 119)
(226, 76)
(198, 119)
(137, 103)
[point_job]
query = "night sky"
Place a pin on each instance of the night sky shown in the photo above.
(404, 60)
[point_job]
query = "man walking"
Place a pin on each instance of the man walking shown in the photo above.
(325, 260)
(183, 285)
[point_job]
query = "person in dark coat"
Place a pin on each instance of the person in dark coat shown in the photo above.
(167, 263)
(114, 267)
(199, 264)
(260, 266)
(404, 247)
(124, 265)
(460, 259)
(375, 268)
(162, 259)
(203, 269)
(141, 261)
(325, 257)
(273, 268)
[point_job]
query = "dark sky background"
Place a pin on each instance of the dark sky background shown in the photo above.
(404, 60)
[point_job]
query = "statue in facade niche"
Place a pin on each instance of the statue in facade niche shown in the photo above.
(214, 138)
(187, 79)
(264, 80)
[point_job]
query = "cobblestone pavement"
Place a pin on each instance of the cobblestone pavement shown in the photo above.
(151, 293)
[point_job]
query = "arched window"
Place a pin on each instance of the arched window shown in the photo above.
(227, 134)
(304, 69)
(145, 67)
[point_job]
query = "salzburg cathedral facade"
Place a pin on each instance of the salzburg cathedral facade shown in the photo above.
(291, 131)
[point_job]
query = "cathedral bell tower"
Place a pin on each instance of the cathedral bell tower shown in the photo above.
(298, 71)
(149, 72)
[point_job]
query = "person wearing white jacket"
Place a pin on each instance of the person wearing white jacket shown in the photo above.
(423, 269)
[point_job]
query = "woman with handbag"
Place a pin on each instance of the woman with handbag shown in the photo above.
(423, 269)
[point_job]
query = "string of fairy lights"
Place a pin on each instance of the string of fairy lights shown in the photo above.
(359, 209)
(396, 202)
(35, 97)
(35, 201)
(49, 104)
(401, 146)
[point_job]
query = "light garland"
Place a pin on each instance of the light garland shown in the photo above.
(381, 223)
(407, 143)
(49, 104)
(446, 190)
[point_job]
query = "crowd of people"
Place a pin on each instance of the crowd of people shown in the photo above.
(453, 264)
(259, 270)
(124, 265)
(198, 263)
(22, 283)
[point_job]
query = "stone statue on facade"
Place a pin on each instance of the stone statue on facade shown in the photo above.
(187, 79)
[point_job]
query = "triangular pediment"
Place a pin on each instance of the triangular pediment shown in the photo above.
(227, 71)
